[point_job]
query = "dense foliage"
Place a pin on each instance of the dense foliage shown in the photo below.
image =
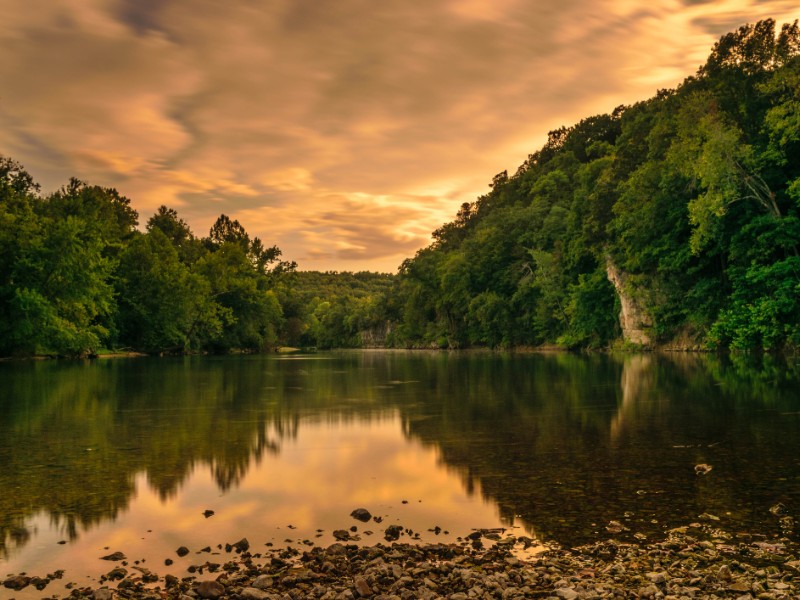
(77, 276)
(334, 309)
(693, 194)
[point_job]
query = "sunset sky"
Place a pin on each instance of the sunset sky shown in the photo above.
(344, 131)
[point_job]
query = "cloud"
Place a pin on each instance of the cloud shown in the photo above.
(342, 131)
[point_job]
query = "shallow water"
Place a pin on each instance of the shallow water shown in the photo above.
(126, 454)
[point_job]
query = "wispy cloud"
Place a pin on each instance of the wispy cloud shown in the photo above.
(342, 131)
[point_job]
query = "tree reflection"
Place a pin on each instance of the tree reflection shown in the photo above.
(562, 443)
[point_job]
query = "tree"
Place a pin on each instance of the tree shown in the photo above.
(256, 315)
(710, 152)
(162, 305)
(105, 212)
(224, 230)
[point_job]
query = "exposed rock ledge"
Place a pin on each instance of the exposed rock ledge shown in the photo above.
(636, 323)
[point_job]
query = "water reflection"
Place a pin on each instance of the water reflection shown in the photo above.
(558, 443)
(569, 443)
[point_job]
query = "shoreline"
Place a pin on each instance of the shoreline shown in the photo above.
(665, 349)
(694, 561)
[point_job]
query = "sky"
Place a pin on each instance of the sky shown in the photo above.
(344, 131)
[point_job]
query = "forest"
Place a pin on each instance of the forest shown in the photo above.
(78, 277)
(680, 213)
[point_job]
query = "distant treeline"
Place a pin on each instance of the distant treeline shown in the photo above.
(688, 202)
(76, 276)
(691, 198)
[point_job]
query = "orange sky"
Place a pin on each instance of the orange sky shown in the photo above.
(344, 131)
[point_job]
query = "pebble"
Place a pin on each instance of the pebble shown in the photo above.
(361, 514)
(251, 593)
(209, 589)
(689, 563)
(362, 587)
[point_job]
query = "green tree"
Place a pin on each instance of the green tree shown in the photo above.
(163, 306)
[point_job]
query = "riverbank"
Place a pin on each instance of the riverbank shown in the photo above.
(695, 561)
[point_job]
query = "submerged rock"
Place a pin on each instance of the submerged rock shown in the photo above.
(392, 533)
(361, 514)
(17, 582)
(702, 469)
(615, 527)
(241, 546)
(779, 510)
(341, 534)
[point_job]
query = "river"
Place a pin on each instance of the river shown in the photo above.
(127, 454)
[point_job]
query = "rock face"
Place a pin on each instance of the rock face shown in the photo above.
(375, 337)
(636, 323)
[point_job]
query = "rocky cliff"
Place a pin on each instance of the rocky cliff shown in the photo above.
(636, 323)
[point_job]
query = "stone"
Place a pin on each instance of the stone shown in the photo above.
(342, 535)
(392, 533)
(209, 589)
(182, 551)
(567, 593)
(17, 582)
(114, 557)
(208, 513)
(362, 587)
(251, 593)
(263, 582)
(102, 594)
(780, 586)
(117, 573)
(657, 578)
(615, 527)
(361, 514)
(702, 469)
(779, 510)
(651, 591)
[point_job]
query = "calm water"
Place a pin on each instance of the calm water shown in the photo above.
(126, 454)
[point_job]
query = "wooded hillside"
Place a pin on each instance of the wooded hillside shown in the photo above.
(681, 212)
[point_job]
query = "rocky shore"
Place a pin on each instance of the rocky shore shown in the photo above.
(696, 561)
